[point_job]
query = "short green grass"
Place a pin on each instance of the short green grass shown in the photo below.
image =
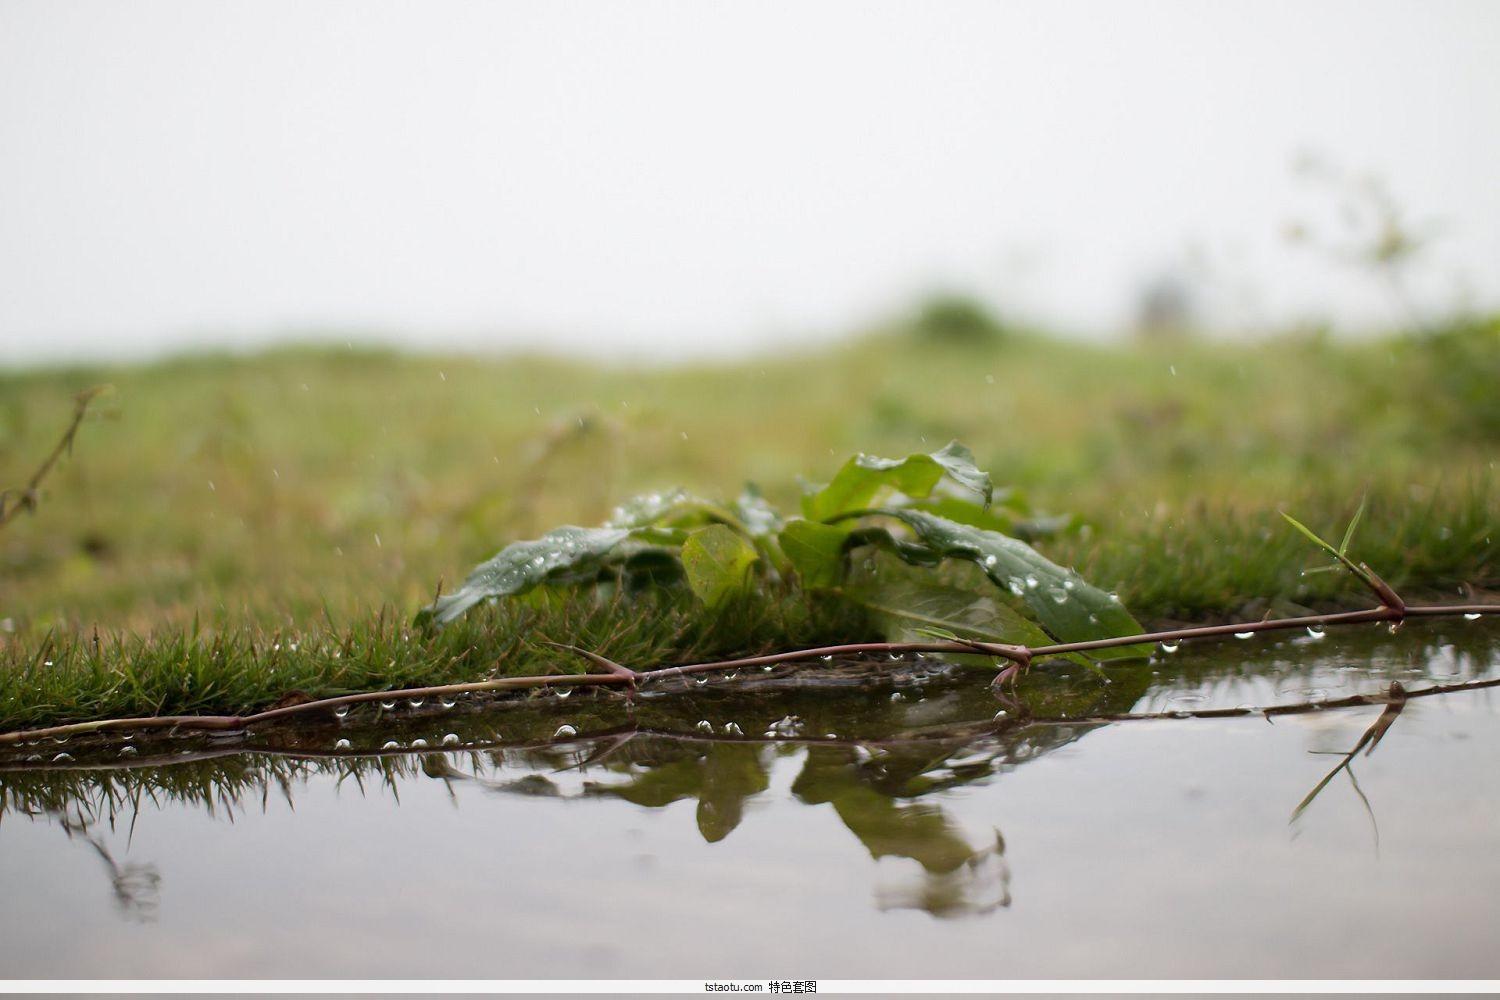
(216, 506)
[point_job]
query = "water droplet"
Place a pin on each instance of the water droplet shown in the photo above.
(1059, 595)
(897, 696)
(990, 561)
(563, 731)
(60, 758)
(418, 744)
(704, 726)
(565, 692)
(416, 702)
(767, 670)
(451, 740)
(1472, 616)
(700, 680)
(733, 729)
(1015, 585)
(1031, 582)
(387, 705)
(829, 657)
(342, 711)
(1243, 635)
(342, 745)
(1316, 632)
(731, 675)
(128, 751)
(1170, 646)
(390, 745)
(1393, 627)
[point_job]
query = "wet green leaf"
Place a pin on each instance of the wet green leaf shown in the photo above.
(717, 561)
(1069, 608)
(561, 554)
(816, 552)
(864, 477)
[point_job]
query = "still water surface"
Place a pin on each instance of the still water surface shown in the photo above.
(888, 832)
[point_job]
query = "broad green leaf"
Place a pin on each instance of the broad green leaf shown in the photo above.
(520, 566)
(816, 552)
(1066, 606)
(864, 477)
(717, 561)
(910, 605)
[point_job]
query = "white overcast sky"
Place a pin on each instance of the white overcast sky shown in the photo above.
(682, 177)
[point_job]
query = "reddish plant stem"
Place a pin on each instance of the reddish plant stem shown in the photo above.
(617, 675)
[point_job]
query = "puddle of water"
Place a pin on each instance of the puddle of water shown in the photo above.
(917, 837)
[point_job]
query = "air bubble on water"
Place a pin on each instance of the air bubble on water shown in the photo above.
(1472, 616)
(563, 731)
(1170, 647)
(390, 745)
(451, 740)
(1243, 635)
(704, 726)
(342, 745)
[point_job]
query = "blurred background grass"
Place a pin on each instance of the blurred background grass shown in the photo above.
(271, 488)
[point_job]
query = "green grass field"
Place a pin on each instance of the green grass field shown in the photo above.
(306, 490)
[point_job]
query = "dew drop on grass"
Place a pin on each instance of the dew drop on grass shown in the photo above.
(990, 561)
(390, 745)
(342, 745)
(704, 726)
(733, 729)
(60, 758)
(1316, 632)
(415, 702)
(127, 751)
(565, 692)
(1472, 616)
(451, 740)
(1170, 647)
(447, 703)
(342, 711)
(418, 744)
(387, 705)
(563, 731)
(1243, 635)
(1031, 582)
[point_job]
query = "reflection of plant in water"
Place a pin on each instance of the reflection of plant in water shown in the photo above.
(136, 886)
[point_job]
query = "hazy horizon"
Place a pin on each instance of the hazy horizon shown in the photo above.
(663, 180)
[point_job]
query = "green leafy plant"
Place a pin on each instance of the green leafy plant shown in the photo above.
(922, 518)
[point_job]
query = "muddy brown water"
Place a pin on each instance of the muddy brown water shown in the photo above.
(915, 830)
